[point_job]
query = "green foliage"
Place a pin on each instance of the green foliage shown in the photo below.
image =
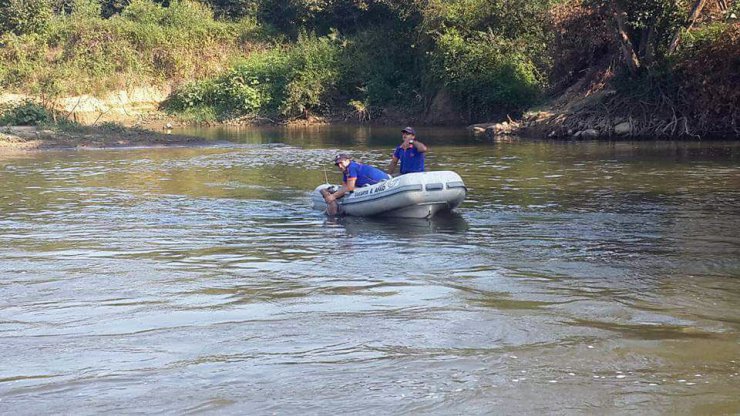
(199, 115)
(82, 52)
(187, 13)
(489, 54)
(379, 53)
(179, 13)
(650, 24)
(67, 125)
(24, 16)
(112, 127)
(245, 89)
(312, 74)
(492, 56)
(706, 73)
(486, 73)
(703, 37)
(321, 16)
(86, 9)
(143, 11)
(507, 18)
(27, 113)
(234, 9)
(284, 81)
(377, 71)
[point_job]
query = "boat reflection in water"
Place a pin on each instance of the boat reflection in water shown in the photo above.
(443, 223)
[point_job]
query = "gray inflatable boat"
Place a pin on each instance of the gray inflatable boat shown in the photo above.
(414, 195)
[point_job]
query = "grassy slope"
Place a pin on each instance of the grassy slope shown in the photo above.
(146, 45)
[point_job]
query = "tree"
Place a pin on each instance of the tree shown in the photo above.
(695, 11)
(646, 29)
(625, 43)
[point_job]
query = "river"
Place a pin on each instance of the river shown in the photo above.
(577, 278)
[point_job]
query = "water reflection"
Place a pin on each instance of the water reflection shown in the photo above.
(446, 223)
(348, 136)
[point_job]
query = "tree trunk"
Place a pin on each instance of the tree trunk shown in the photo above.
(692, 18)
(649, 57)
(646, 51)
(633, 62)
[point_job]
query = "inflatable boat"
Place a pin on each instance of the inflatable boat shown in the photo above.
(413, 195)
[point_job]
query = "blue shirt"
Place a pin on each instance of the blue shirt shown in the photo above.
(412, 160)
(365, 174)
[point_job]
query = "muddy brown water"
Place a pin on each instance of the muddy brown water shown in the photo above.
(577, 278)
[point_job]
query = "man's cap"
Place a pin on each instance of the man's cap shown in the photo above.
(409, 130)
(340, 157)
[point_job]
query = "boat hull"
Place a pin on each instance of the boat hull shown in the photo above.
(414, 195)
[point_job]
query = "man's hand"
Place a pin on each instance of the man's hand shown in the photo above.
(406, 142)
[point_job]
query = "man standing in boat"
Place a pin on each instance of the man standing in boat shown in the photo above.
(355, 175)
(410, 152)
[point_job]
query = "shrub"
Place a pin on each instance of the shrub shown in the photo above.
(234, 9)
(486, 74)
(24, 16)
(27, 113)
(379, 72)
(312, 74)
(186, 13)
(707, 78)
(146, 44)
(143, 11)
(86, 9)
(282, 80)
(489, 55)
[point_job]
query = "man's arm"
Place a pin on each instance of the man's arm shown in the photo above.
(392, 166)
(346, 188)
(421, 147)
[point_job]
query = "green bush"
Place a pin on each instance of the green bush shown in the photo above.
(27, 113)
(312, 74)
(486, 74)
(706, 73)
(82, 53)
(187, 13)
(282, 80)
(86, 9)
(234, 9)
(143, 11)
(249, 88)
(488, 53)
(380, 72)
(24, 16)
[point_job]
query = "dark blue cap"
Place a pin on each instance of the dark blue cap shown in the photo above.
(409, 130)
(340, 157)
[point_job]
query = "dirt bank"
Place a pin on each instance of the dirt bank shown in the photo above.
(127, 107)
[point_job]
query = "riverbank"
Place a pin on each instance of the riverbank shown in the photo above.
(602, 112)
(26, 138)
(585, 117)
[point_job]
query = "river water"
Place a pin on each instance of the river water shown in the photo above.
(577, 278)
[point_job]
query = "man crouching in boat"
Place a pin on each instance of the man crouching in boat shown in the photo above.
(355, 175)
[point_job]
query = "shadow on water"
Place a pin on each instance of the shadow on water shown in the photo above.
(449, 223)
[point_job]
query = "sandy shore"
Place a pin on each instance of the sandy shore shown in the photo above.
(26, 138)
